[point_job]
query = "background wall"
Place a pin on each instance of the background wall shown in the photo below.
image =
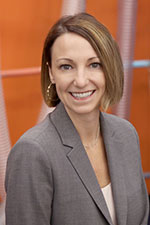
(23, 27)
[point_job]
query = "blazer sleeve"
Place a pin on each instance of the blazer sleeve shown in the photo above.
(145, 193)
(29, 185)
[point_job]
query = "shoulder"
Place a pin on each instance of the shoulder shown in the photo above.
(117, 122)
(38, 132)
(28, 162)
(35, 142)
(41, 134)
(118, 127)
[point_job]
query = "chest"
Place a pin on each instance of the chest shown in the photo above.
(98, 160)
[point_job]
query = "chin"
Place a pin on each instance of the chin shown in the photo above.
(82, 110)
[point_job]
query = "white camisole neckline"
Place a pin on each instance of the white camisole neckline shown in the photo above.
(108, 196)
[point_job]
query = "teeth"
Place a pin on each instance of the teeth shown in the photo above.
(82, 95)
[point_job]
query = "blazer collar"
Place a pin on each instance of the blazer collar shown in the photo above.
(76, 154)
(64, 126)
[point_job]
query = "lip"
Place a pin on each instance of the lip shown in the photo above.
(82, 95)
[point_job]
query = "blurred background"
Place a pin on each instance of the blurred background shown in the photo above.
(23, 28)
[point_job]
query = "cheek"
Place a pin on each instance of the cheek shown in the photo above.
(61, 86)
(102, 82)
(63, 82)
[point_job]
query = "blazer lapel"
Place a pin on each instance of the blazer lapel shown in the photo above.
(114, 148)
(76, 154)
(82, 165)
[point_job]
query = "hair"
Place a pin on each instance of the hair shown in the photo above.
(105, 47)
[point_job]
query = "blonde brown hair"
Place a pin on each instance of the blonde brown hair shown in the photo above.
(105, 47)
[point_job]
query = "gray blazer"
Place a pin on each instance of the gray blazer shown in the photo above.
(49, 178)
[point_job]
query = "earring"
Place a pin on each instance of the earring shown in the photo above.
(51, 93)
(48, 90)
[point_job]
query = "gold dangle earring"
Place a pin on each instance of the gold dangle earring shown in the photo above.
(48, 91)
(51, 91)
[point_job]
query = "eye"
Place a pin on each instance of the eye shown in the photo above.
(96, 65)
(65, 67)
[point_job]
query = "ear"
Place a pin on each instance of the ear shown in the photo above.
(51, 75)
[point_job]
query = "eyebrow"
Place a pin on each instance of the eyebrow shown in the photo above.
(60, 59)
(95, 57)
(70, 60)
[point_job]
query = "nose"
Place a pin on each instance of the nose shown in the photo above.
(81, 78)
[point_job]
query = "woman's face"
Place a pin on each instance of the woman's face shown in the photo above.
(76, 70)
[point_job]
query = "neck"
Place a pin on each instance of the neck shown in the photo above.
(88, 127)
(93, 144)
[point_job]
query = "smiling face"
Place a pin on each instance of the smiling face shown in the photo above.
(76, 70)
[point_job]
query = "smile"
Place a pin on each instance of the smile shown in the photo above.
(81, 95)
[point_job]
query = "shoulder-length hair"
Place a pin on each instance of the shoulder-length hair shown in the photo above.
(105, 47)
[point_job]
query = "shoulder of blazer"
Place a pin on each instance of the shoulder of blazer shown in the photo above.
(116, 121)
(36, 144)
(117, 125)
(39, 134)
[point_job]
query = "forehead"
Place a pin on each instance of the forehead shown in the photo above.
(72, 44)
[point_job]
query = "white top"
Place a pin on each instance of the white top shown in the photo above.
(108, 196)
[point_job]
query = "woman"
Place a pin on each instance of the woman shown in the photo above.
(80, 165)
